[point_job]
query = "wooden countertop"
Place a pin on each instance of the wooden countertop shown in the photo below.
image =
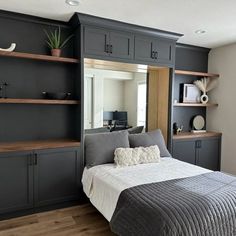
(190, 135)
(36, 145)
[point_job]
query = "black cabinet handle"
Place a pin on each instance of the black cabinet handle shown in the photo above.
(35, 159)
(107, 48)
(153, 55)
(156, 55)
(111, 47)
(198, 144)
(30, 160)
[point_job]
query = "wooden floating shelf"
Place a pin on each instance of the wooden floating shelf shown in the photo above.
(37, 145)
(190, 135)
(38, 57)
(193, 73)
(38, 101)
(195, 105)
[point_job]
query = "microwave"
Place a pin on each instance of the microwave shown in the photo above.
(189, 93)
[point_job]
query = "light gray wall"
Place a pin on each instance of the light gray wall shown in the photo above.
(222, 60)
(131, 97)
(113, 95)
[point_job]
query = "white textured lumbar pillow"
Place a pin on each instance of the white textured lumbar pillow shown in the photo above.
(134, 156)
(150, 154)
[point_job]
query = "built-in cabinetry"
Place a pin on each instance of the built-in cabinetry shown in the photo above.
(37, 178)
(107, 43)
(16, 181)
(154, 50)
(40, 162)
(117, 41)
(123, 45)
(202, 150)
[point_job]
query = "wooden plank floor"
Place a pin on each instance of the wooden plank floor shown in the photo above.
(81, 220)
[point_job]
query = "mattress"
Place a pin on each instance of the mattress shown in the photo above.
(103, 184)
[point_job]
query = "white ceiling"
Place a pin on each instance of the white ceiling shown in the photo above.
(217, 17)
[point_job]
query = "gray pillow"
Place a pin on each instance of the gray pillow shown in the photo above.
(149, 139)
(136, 130)
(97, 130)
(99, 148)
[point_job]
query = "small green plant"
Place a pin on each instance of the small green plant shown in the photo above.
(54, 39)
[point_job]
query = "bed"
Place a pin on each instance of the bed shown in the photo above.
(169, 198)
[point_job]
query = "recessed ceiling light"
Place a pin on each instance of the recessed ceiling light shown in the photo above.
(200, 31)
(72, 2)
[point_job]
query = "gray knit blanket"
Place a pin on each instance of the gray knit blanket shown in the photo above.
(203, 205)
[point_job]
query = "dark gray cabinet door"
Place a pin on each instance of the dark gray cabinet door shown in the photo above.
(121, 45)
(144, 49)
(96, 41)
(185, 150)
(154, 50)
(57, 176)
(16, 182)
(165, 51)
(208, 153)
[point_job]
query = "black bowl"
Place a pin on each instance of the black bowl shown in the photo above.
(56, 96)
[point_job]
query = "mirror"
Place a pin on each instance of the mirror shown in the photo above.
(120, 96)
(114, 99)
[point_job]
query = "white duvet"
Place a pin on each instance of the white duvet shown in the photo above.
(104, 183)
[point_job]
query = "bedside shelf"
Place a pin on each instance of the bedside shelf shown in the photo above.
(38, 57)
(193, 73)
(195, 105)
(36, 145)
(38, 101)
(190, 135)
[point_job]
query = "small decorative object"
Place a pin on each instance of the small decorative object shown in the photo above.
(198, 124)
(205, 85)
(55, 42)
(177, 129)
(10, 49)
(3, 89)
(57, 96)
(189, 93)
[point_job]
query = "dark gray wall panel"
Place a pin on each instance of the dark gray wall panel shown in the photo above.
(184, 115)
(191, 58)
(29, 78)
(32, 122)
(29, 36)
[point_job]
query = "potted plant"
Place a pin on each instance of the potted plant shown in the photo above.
(55, 42)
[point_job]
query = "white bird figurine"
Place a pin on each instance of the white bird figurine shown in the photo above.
(10, 49)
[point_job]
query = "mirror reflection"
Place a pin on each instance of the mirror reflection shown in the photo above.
(114, 100)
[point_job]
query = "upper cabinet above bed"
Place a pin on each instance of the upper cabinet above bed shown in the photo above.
(107, 43)
(118, 41)
(154, 50)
